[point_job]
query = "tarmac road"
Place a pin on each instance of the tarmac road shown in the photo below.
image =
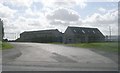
(51, 57)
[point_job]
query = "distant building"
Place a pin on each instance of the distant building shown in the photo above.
(82, 34)
(43, 36)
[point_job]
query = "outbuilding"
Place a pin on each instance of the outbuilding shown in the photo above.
(82, 35)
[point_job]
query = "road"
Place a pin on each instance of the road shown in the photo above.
(51, 57)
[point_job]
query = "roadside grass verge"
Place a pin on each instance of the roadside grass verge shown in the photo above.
(103, 46)
(5, 45)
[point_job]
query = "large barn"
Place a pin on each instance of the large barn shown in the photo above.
(43, 36)
(82, 34)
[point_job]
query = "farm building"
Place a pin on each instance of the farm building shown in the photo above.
(71, 35)
(43, 36)
(82, 34)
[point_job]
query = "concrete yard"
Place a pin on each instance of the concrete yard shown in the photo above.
(51, 57)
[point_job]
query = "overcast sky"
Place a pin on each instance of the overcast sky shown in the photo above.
(29, 15)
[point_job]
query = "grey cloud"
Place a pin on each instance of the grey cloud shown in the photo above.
(36, 6)
(60, 3)
(65, 4)
(59, 23)
(34, 24)
(6, 12)
(14, 6)
(103, 22)
(64, 15)
(10, 27)
(108, 18)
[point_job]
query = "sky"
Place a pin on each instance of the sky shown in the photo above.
(32, 15)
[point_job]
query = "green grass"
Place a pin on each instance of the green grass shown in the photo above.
(106, 46)
(5, 45)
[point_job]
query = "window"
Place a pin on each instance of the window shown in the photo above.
(83, 31)
(74, 30)
(93, 31)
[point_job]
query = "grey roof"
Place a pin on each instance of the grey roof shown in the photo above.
(51, 31)
(85, 30)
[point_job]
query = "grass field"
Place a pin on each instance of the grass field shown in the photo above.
(106, 46)
(5, 45)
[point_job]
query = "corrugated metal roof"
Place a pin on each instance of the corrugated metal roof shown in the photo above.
(85, 30)
(42, 31)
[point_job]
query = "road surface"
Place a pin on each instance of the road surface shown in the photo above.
(51, 57)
